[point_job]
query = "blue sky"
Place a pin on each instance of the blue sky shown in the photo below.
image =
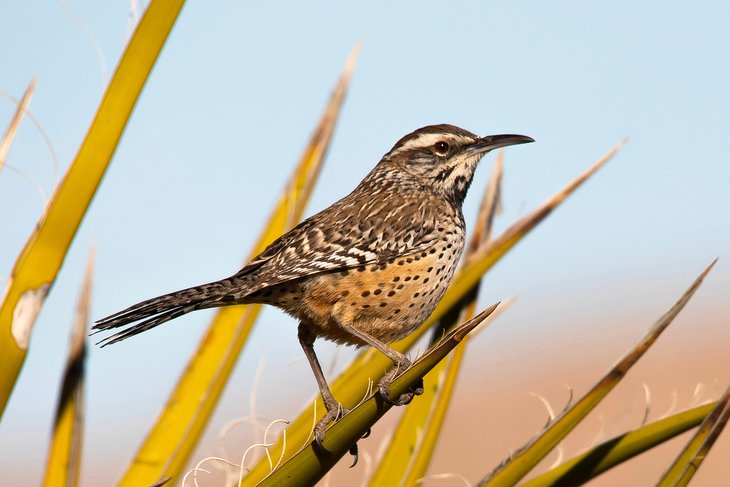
(231, 103)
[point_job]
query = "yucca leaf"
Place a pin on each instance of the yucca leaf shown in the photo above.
(352, 384)
(171, 441)
(693, 454)
(64, 458)
(7, 139)
(610, 453)
(414, 439)
(44, 252)
(312, 463)
(512, 471)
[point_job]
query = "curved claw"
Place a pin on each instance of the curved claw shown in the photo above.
(319, 432)
(332, 415)
(403, 399)
(354, 453)
(319, 439)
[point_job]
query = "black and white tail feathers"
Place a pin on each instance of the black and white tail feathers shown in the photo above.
(155, 311)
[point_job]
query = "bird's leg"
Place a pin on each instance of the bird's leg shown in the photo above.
(334, 409)
(401, 363)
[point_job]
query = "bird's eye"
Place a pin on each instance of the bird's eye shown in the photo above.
(441, 147)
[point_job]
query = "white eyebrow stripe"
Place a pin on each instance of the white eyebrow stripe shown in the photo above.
(426, 140)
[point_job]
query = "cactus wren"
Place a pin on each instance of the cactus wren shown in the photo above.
(368, 270)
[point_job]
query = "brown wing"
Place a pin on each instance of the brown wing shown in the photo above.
(351, 233)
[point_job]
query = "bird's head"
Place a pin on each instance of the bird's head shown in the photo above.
(444, 157)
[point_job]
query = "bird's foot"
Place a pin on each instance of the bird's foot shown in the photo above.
(403, 399)
(335, 411)
(406, 397)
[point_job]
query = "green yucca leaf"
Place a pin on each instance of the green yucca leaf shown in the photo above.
(172, 439)
(693, 454)
(526, 458)
(610, 453)
(44, 252)
(311, 463)
(410, 450)
(64, 457)
(352, 384)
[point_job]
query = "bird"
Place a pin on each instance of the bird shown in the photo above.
(367, 270)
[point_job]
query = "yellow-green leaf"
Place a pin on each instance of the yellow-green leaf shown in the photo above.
(44, 252)
(64, 458)
(610, 453)
(693, 454)
(171, 441)
(352, 384)
(512, 471)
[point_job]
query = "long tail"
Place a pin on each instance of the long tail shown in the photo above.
(155, 311)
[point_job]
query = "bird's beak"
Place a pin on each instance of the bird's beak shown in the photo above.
(491, 142)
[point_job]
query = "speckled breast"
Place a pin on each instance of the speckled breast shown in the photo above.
(387, 300)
